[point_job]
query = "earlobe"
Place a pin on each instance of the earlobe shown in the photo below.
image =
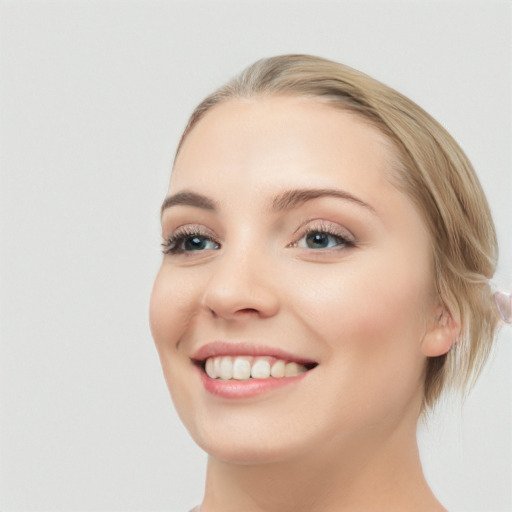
(442, 335)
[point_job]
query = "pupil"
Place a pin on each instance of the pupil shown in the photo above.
(195, 243)
(317, 239)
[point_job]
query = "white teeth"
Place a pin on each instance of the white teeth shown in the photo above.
(260, 369)
(278, 369)
(245, 367)
(216, 366)
(226, 368)
(241, 368)
(293, 369)
(210, 370)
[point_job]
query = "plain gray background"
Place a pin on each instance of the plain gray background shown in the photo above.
(93, 96)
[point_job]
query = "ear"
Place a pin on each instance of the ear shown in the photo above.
(442, 333)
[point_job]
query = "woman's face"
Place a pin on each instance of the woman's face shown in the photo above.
(286, 243)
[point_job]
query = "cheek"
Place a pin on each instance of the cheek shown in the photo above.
(364, 301)
(172, 305)
(371, 317)
(170, 314)
(373, 335)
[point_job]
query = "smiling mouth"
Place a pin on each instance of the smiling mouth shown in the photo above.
(251, 367)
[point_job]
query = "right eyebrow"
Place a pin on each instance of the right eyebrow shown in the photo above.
(188, 199)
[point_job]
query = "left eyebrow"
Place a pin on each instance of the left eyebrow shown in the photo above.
(294, 198)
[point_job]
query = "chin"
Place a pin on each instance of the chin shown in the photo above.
(247, 454)
(247, 442)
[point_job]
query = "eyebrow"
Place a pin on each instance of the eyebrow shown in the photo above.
(287, 200)
(188, 199)
(294, 198)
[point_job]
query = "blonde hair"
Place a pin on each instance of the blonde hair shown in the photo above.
(434, 172)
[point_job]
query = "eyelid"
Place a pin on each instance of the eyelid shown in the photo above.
(323, 226)
(172, 241)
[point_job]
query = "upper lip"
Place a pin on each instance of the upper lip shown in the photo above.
(225, 348)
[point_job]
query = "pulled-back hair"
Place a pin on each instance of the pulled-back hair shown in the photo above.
(431, 169)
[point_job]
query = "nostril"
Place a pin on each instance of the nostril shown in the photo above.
(229, 297)
(243, 311)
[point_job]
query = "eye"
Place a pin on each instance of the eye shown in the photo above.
(321, 240)
(324, 237)
(188, 240)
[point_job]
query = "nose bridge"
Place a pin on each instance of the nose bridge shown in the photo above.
(242, 281)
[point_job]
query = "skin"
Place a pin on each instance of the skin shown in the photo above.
(344, 437)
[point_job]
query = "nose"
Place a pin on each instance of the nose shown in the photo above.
(241, 285)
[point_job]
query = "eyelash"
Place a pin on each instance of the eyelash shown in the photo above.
(344, 239)
(174, 244)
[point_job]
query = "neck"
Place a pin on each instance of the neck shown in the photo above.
(375, 472)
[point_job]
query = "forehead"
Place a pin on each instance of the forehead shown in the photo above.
(245, 150)
(245, 153)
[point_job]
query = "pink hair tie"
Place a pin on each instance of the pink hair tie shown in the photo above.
(503, 305)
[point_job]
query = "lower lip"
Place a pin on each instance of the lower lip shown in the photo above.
(245, 388)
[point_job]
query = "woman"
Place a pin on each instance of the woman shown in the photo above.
(327, 256)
